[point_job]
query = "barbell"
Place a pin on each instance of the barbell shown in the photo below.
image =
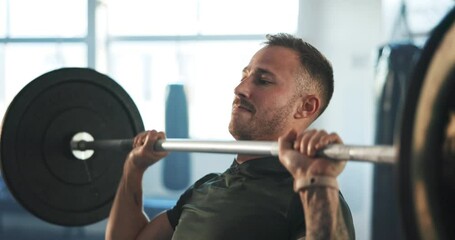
(374, 154)
(66, 134)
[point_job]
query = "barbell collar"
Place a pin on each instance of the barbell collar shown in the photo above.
(375, 154)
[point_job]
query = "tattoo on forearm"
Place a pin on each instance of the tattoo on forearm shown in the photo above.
(324, 217)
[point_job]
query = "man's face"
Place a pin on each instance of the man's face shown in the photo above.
(266, 100)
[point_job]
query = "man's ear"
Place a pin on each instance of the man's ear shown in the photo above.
(308, 107)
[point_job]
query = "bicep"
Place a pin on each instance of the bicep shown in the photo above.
(158, 228)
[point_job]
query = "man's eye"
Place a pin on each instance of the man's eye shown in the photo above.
(263, 81)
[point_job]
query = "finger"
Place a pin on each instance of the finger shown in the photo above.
(297, 141)
(305, 140)
(286, 142)
(138, 139)
(332, 138)
(149, 139)
(152, 138)
(335, 138)
(158, 154)
(314, 143)
(161, 136)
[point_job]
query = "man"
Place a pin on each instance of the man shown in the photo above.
(284, 88)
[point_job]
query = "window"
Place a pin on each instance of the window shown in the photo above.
(39, 36)
(201, 17)
(46, 18)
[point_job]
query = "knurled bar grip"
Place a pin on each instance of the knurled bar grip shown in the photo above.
(375, 154)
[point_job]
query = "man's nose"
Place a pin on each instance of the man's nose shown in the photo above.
(244, 88)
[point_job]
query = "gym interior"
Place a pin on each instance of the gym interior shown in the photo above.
(190, 53)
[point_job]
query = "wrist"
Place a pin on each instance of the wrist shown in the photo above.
(131, 166)
(304, 183)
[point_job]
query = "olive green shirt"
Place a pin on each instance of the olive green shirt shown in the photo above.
(252, 200)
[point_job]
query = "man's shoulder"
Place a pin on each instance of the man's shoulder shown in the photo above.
(206, 178)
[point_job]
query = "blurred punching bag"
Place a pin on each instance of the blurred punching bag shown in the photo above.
(176, 168)
(394, 67)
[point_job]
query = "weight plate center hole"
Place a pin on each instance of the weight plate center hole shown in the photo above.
(77, 142)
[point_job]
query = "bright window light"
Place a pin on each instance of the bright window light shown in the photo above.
(47, 18)
(201, 17)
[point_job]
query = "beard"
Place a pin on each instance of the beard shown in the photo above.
(262, 126)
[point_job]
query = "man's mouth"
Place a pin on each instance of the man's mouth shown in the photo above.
(243, 104)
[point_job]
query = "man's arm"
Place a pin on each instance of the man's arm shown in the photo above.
(323, 216)
(315, 181)
(127, 219)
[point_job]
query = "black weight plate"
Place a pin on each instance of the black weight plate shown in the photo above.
(425, 193)
(36, 159)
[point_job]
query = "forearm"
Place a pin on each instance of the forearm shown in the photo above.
(323, 216)
(126, 218)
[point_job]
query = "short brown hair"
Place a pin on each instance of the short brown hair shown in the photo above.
(313, 62)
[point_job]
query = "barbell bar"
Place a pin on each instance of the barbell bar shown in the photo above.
(374, 154)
